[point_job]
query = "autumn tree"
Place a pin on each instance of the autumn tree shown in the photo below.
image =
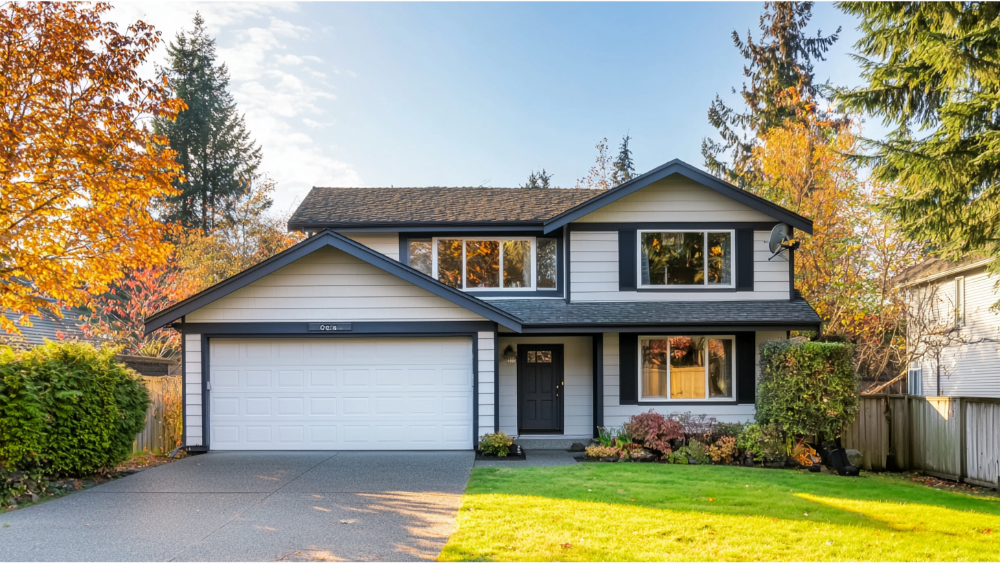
(248, 234)
(781, 59)
(118, 317)
(213, 145)
(846, 267)
(600, 173)
(79, 170)
(931, 72)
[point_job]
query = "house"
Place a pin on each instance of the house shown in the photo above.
(953, 336)
(46, 326)
(422, 318)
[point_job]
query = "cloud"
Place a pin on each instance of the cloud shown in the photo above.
(281, 93)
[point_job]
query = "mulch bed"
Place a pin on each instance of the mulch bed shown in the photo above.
(514, 454)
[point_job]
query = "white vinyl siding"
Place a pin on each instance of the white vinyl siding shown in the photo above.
(192, 389)
(330, 285)
(970, 369)
(386, 243)
(594, 265)
(675, 199)
(487, 377)
(578, 403)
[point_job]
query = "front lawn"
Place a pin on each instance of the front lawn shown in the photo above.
(652, 512)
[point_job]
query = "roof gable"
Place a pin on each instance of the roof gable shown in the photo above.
(324, 240)
(678, 167)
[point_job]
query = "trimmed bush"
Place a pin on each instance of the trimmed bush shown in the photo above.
(496, 444)
(654, 431)
(67, 409)
(762, 443)
(807, 388)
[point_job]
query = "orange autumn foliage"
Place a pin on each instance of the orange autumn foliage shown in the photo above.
(79, 170)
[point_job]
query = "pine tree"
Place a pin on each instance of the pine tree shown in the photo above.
(931, 71)
(780, 60)
(624, 168)
(213, 145)
(539, 180)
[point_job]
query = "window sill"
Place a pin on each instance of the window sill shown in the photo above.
(726, 402)
(685, 289)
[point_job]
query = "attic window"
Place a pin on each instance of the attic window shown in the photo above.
(526, 263)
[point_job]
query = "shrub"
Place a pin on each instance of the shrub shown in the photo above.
(606, 435)
(654, 431)
(809, 388)
(762, 443)
(679, 457)
(696, 450)
(695, 426)
(727, 430)
(497, 444)
(601, 452)
(67, 409)
(723, 450)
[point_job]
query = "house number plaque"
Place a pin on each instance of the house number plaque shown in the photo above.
(329, 327)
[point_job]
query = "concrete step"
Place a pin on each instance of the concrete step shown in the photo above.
(550, 443)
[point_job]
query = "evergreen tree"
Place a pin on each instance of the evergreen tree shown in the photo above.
(781, 60)
(932, 72)
(538, 180)
(213, 145)
(624, 168)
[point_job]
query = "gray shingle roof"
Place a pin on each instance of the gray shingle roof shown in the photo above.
(556, 312)
(936, 267)
(47, 326)
(340, 207)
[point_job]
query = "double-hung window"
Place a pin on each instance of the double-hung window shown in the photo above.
(686, 368)
(488, 263)
(686, 259)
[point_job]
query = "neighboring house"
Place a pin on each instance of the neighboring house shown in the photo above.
(46, 326)
(422, 318)
(953, 335)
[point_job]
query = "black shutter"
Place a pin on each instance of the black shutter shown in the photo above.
(628, 360)
(746, 378)
(744, 259)
(626, 260)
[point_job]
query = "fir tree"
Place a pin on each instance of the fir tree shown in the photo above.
(780, 60)
(213, 145)
(624, 168)
(538, 180)
(931, 71)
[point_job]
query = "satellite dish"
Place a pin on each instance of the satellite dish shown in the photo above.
(781, 240)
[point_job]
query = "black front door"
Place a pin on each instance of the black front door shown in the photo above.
(540, 388)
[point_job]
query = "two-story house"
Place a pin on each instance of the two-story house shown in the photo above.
(953, 333)
(422, 318)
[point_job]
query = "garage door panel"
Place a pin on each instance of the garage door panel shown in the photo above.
(411, 393)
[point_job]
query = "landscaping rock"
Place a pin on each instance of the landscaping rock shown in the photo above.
(577, 447)
(855, 458)
(643, 455)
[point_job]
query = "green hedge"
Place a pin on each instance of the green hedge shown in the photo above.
(67, 409)
(807, 388)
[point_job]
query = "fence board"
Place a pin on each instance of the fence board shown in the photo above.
(161, 433)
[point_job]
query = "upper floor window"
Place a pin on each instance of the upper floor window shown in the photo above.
(515, 263)
(681, 258)
(959, 301)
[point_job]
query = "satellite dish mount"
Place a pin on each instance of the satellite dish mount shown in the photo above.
(781, 240)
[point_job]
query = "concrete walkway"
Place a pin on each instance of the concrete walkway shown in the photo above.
(253, 506)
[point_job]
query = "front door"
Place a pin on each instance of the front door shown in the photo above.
(540, 388)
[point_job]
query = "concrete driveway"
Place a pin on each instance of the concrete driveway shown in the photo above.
(253, 506)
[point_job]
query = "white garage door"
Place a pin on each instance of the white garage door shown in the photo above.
(341, 394)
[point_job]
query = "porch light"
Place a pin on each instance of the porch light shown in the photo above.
(509, 354)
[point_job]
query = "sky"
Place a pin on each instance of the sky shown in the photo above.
(469, 94)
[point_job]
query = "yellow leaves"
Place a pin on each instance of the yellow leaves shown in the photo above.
(78, 172)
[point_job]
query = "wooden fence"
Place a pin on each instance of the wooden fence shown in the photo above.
(950, 437)
(163, 419)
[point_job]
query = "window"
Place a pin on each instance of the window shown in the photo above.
(959, 301)
(686, 367)
(489, 263)
(674, 258)
(914, 381)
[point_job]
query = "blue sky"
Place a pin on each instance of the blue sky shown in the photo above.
(455, 94)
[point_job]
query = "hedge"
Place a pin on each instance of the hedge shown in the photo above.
(67, 409)
(807, 388)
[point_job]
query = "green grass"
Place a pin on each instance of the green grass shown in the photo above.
(647, 512)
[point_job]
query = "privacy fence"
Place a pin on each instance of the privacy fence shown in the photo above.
(163, 419)
(950, 437)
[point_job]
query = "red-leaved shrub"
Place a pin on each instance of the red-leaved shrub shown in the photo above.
(654, 431)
